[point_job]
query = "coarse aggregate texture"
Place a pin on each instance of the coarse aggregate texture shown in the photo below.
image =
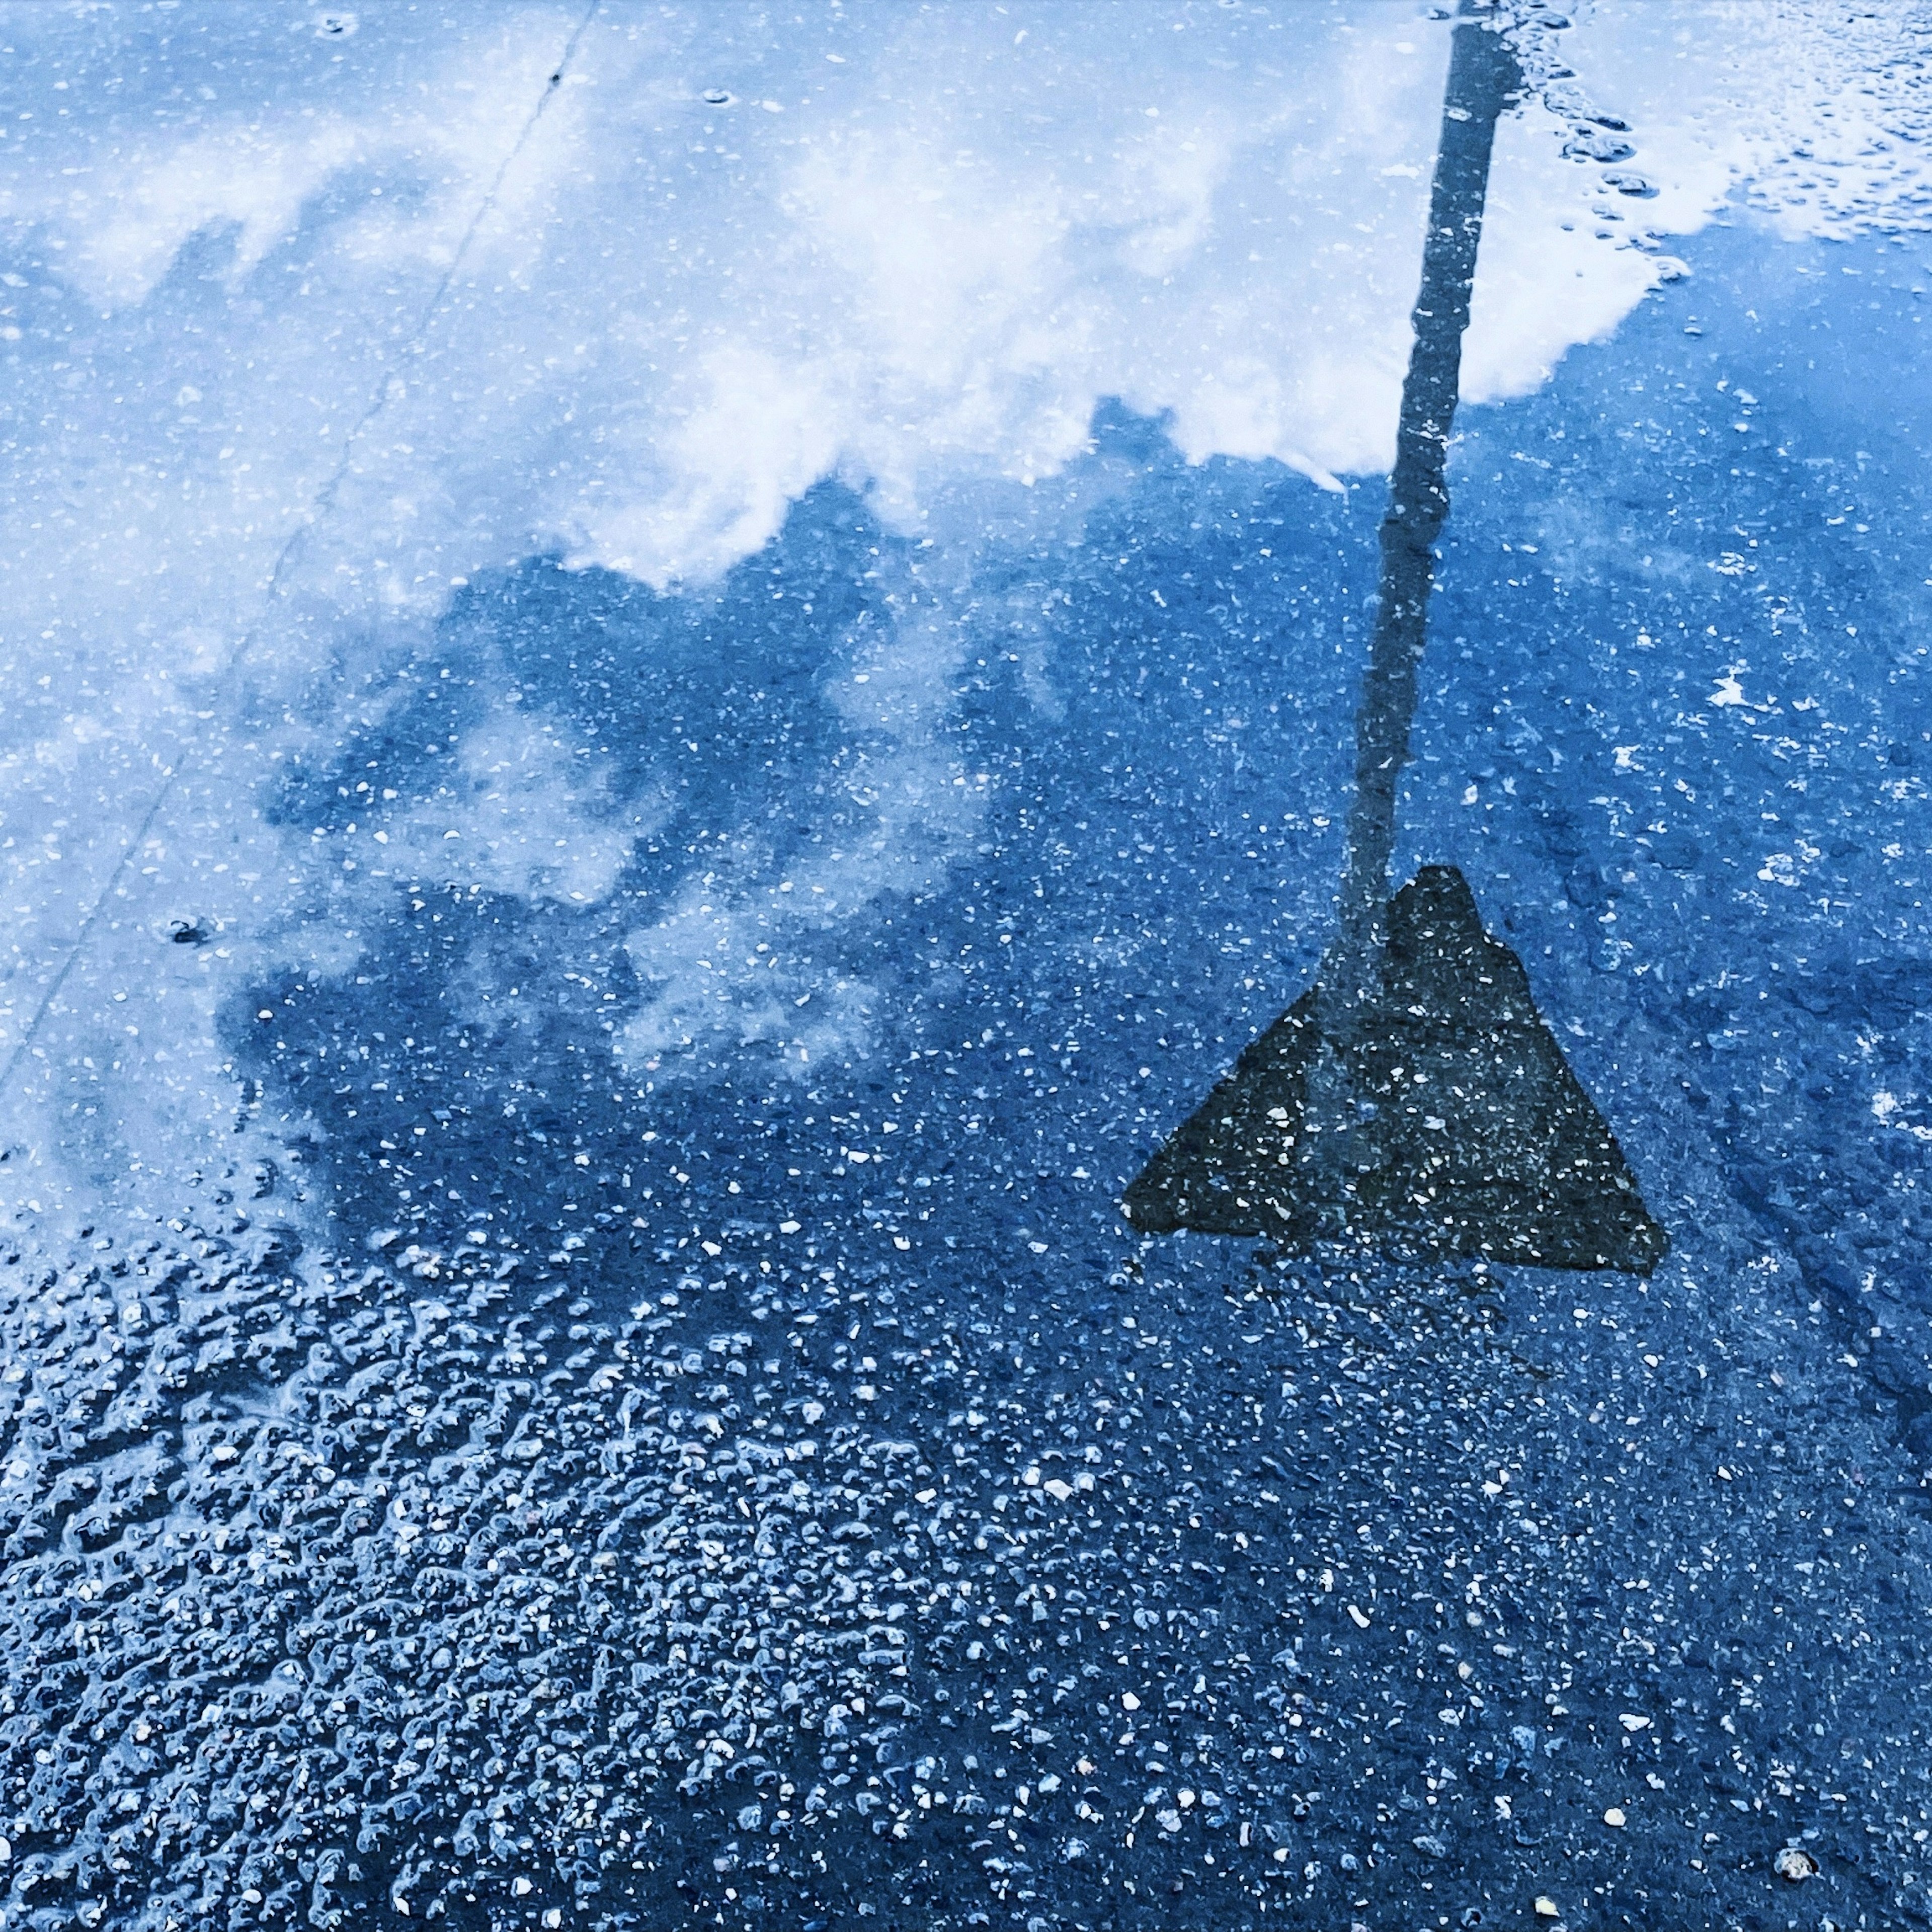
(807, 1503)
(1311, 1591)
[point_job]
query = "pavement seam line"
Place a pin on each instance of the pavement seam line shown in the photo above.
(324, 501)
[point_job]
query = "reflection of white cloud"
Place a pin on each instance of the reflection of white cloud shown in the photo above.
(761, 433)
(525, 816)
(918, 267)
(676, 317)
(947, 285)
(750, 951)
(417, 163)
(722, 976)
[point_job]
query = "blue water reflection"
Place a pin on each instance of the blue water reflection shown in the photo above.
(601, 925)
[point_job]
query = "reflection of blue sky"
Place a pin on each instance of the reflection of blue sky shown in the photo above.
(774, 881)
(693, 350)
(694, 861)
(770, 678)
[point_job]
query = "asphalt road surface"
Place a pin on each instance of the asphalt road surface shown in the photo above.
(572, 1357)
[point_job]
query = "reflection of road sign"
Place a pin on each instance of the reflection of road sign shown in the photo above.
(1413, 1094)
(1460, 1127)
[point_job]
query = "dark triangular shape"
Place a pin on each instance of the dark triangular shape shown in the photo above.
(1441, 1116)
